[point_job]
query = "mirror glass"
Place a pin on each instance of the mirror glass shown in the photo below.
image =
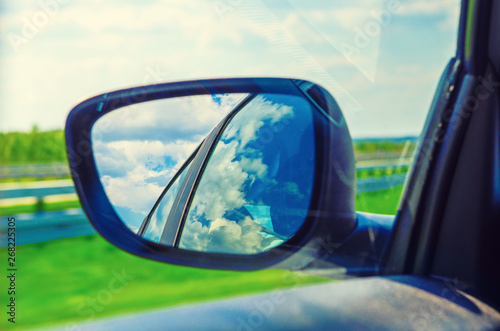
(253, 181)
(139, 148)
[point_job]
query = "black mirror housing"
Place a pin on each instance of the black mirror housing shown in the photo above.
(331, 215)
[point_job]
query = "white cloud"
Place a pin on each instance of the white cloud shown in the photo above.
(132, 192)
(127, 156)
(254, 120)
(429, 7)
(190, 114)
(221, 189)
(134, 173)
(244, 237)
(448, 10)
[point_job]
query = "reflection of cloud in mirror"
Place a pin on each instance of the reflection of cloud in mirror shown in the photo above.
(261, 110)
(227, 236)
(233, 165)
(139, 148)
(183, 118)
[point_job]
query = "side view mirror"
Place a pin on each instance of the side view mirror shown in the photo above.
(227, 173)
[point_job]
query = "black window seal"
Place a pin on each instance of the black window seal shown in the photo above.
(147, 219)
(180, 207)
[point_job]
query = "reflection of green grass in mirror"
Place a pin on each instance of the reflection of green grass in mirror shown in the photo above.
(32, 208)
(380, 202)
(56, 280)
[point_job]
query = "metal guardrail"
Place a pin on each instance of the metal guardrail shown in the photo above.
(43, 226)
(38, 191)
(37, 170)
(372, 184)
(43, 220)
(384, 167)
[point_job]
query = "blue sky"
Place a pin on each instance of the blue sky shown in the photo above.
(79, 49)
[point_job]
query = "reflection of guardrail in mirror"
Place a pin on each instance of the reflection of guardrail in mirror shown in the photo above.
(48, 225)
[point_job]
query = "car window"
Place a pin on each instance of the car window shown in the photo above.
(381, 60)
(255, 191)
(381, 65)
(157, 220)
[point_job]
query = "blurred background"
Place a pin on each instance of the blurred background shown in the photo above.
(380, 59)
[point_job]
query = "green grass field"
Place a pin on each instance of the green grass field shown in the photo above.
(29, 179)
(33, 207)
(75, 279)
(380, 202)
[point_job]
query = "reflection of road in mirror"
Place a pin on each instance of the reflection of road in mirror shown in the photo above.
(255, 191)
(147, 144)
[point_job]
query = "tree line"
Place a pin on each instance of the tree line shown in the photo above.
(32, 147)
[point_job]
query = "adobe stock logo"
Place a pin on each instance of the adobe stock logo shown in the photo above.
(363, 49)
(357, 31)
(98, 303)
(32, 25)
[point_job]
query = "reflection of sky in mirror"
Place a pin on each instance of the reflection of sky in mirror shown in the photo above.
(139, 148)
(255, 190)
